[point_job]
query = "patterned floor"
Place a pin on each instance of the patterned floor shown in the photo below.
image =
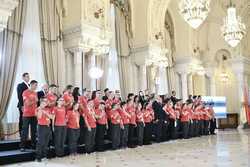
(227, 149)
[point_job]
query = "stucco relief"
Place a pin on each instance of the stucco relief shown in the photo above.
(156, 16)
(96, 12)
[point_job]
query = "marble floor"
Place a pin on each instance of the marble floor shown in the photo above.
(226, 149)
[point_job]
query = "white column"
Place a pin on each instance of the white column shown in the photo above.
(190, 84)
(93, 64)
(142, 77)
(184, 84)
(78, 56)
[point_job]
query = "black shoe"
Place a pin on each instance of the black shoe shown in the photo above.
(22, 149)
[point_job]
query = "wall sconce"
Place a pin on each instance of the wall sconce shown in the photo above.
(196, 50)
(158, 36)
(99, 13)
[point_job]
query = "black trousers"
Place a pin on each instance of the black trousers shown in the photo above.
(196, 128)
(191, 128)
(131, 135)
(82, 130)
(32, 123)
(124, 136)
(44, 134)
(140, 131)
(59, 139)
(100, 132)
(159, 130)
(206, 124)
(148, 133)
(212, 126)
(185, 129)
(165, 129)
(201, 127)
(20, 124)
(90, 140)
(172, 128)
(73, 136)
(115, 135)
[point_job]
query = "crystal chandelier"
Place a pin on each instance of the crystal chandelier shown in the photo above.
(95, 73)
(194, 12)
(233, 29)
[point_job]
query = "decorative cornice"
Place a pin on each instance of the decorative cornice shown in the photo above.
(137, 49)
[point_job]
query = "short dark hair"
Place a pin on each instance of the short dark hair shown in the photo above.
(130, 95)
(33, 82)
(123, 103)
(105, 90)
(24, 74)
(53, 86)
(102, 103)
(69, 87)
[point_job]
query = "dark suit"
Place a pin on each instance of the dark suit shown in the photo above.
(173, 99)
(40, 94)
(160, 116)
(20, 89)
(104, 98)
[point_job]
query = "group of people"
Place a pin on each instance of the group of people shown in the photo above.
(95, 116)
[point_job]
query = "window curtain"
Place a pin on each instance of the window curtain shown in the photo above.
(86, 67)
(10, 45)
(103, 63)
(123, 51)
(50, 16)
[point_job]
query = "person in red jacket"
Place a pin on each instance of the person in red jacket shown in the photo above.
(44, 115)
(29, 115)
(102, 126)
(51, 98)
(201, 116)
(148, 116)
(117, 125)
(96, 97)
(132, 123)
(197, 117)
(168, 108)
(140, 124)
(177, 109)
(185, 118)
(89, 116)
(73, 131)
(83, 102)
(60, 128)
(125, 116)
(68, 98)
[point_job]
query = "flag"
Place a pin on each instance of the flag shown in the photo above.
(246, 103)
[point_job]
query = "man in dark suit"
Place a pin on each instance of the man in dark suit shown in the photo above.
(106, 94)
(21, 87)
(42, 93)
(173, 97)
(159, 118)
